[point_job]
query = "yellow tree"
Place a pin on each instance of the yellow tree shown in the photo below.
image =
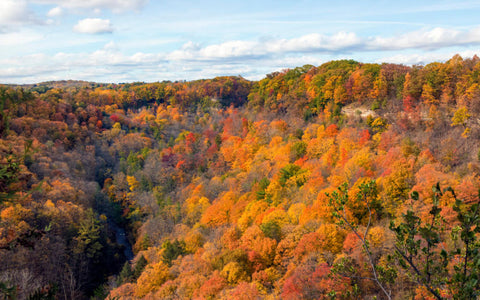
(396, 186)
(461, 117)
(380, 87)
(428, 95)
(151, 279)
(194, 207)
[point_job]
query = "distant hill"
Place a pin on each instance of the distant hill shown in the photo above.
(42, 86)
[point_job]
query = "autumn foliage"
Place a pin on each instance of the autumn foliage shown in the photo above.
(221, 187)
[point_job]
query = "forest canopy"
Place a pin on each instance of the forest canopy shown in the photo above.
(346, 180)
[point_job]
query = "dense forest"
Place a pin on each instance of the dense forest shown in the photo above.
(342, 181)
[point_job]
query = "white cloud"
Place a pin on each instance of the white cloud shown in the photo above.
(425, 58)
(111, 46)
(113, 5)
(426, 39)
(19, 39)
(109, 64)
(316, 42)
(14, 13)
(93, 26)
(249, 58)
(55, 12)
(17, 13)
(342, 42)
(311, 43)
(104, 65)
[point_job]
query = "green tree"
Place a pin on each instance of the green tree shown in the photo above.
(8, 174)
(417, 248)
(88, 238)
(8, 291)
(424, 258)
(139, 267)
(466, 279)
(172, 250)
(126, 274)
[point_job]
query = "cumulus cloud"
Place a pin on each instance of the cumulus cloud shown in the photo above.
(19, 39)
(112, 5)
(93, 26)
(426, 39)
(316, 42)
(107, 64)
(14, 13)
(249, 58)
(425, 58)
(342, 42)
(17, 13)
(55, 12)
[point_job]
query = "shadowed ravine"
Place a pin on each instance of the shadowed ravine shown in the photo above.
(121, 237)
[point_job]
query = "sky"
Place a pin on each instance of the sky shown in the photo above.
(113, 41)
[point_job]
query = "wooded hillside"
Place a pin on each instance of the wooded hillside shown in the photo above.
(342, 181)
